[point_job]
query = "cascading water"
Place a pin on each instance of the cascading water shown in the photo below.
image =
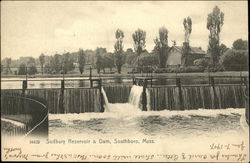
(106, 102)
(148, 100)
(135, 95)
(133, 104)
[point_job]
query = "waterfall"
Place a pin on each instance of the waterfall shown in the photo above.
(135, 95)
(148, 100)
(106, 101)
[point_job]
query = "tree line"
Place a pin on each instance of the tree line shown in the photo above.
(139, 57)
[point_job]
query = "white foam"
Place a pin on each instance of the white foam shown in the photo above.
(135, 95)
(16, 123)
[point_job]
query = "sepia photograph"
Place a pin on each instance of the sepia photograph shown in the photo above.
(125, 81)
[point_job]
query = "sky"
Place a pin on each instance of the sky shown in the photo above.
(31, 28)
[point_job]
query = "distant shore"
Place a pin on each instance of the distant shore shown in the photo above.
(123, 75)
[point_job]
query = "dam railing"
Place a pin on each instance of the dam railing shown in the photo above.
(77, 98)
(24, 115)
(182, 84)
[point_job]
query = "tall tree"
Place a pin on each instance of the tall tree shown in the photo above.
(99, 53)
(109, 60)
(223, 49)
(1, 68)
(139, 38)
(161, 46)
(48, 66)
(8, 65)
(22, 69)
(42, 61)
(130, 56)
(215, 22)
(81, 60)
(240, 44)
(119, 35)
(31, 64)
(187, 23)
(56, 63)
(68, 63)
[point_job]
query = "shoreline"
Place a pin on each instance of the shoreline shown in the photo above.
(196, 74)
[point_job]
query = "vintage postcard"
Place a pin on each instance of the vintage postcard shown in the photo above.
(124, 81)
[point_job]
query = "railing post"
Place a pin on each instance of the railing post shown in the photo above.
(144, 96)
(178, 84)
(211, 78)
(245, 80)
(133, 80)
(61, 98)
(90, 77)
(241, 80)
(102, 97)
(26, 75)
(62, 84)
(100, 83)
(25, 83)
(90, 73)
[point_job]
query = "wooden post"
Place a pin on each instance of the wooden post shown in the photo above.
(63, 72)
(245, 80)
(61, 98)
(26, 73)
(241, 80)
(101, 95)
(211, 81)
(216, 100)
(25, 83)
(62, 84)
(23, 102)
(178, 84)
(90, 77)
(144, 95)
(90, 73)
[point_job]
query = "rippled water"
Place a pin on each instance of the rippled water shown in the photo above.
(35, 83)
(126, 120)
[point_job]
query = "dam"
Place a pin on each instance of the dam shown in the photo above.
(139, 94)
(158, 97)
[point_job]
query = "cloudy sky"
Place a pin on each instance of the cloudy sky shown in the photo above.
(31, 28)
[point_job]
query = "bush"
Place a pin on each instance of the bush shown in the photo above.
(201, 62)
(180, 69)
(193, 69)
(22, 69)
(215, 68)
(235, 60)
(32, 70)
(146, 59)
